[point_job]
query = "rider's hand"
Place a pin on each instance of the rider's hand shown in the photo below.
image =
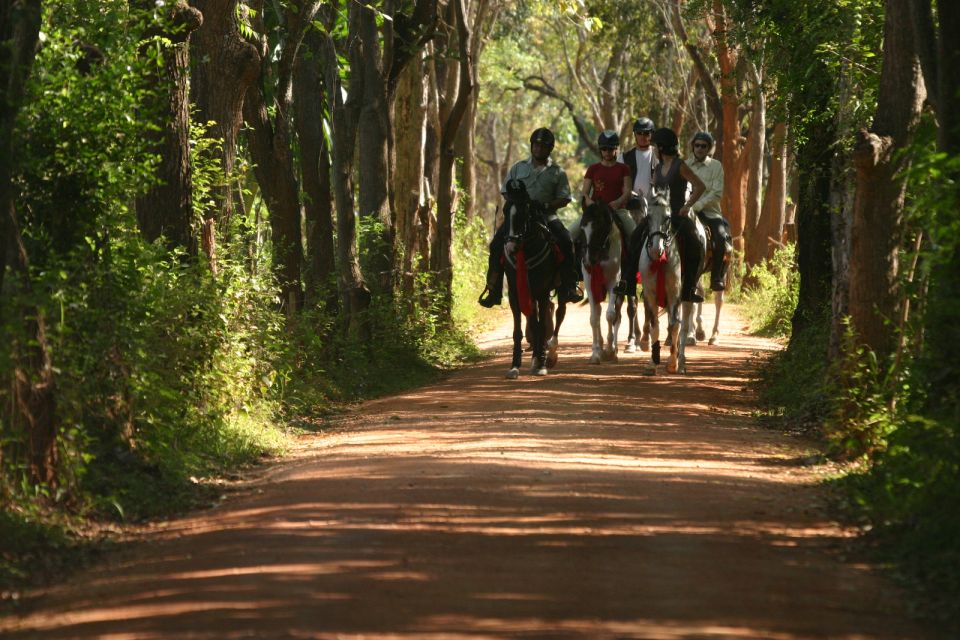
(684, 211)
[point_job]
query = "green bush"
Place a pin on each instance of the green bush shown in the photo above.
(769, 302)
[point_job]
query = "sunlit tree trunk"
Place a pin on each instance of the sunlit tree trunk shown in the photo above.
(731, 146)
(756, 144)
(769, 230)
(410, 111)
(877, 232)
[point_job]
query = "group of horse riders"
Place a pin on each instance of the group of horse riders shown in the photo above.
(652, 171)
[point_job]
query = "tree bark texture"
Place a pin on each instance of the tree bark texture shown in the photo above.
(344, 116)
(443, 254)
(224, 66)
(731, 146)
(755, 165)
(309, 98)
(271, 147)
(167, 209)
(877, 232)
(410, 111)
(813, 228)
(769, 231)
(32, 408)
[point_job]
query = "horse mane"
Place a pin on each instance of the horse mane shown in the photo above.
(600, 215)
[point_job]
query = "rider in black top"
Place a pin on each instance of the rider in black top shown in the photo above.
(670, 180)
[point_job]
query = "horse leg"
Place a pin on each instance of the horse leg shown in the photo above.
(701, 335)
(555, 314)
(613, 325)
(538, 366)
(650, 311)
(632, 329)
(718, 302)
(686, 316)
(649, 319)
(674, 334)
(514, 371)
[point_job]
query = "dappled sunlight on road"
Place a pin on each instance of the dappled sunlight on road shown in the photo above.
(597, 502)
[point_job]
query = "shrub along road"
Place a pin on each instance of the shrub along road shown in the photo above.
(594, 503)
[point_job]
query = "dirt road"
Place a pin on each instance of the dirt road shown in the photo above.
(594, 503)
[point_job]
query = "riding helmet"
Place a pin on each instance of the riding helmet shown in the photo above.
(544, 136)
(667, 140)
(703, 135)
(608, 139)
(643, 124)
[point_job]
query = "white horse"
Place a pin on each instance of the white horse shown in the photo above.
(601, 272)
(660, 273)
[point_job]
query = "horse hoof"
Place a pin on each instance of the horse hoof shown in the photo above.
(655, 353)
(630, 348)
(542, 371)
(671, 368)
(552, 360)
(714, 340)
(513, 374)
(595, 358)
(691, 341)
(701, 334)
(645, 344)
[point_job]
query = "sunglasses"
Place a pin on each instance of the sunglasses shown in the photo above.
(644, 133)
(608, 148)
(700, 145)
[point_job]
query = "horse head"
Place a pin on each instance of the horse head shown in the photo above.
(597, 224)
(517, 208)
(659, 231)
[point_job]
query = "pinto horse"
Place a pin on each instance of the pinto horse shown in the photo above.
(530, 263)
(601, 272)
(660, 273)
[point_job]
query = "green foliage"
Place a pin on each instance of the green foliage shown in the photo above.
(793, 383)
(771, 299)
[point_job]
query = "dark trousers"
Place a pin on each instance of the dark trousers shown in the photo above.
(720, 236)
(569, 273)
(691, 255)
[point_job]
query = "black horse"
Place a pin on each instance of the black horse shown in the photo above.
(531, 266)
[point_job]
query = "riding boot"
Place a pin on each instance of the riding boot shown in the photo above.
(493, 293)
(718, 271)
(628, 272)
(691, 255)
(568, 291)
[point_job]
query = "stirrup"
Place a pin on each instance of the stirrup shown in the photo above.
(570, 294)
(489, 299)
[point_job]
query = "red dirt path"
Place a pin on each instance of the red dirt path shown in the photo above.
(593, 503)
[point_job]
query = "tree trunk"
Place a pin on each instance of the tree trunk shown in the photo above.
(309, 97)
(731, 146)
(877, 231)
(32, 406)
(770, 228)
(410, 120)
(167, 209)
(344, 116)
(466, 150)
(443, 255)
(813, 228)
(373, 135)
(224, 66)
(755, 165)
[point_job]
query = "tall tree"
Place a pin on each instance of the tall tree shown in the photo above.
(33, 403)
(167, 209)
(224, 66)
(271, 142)
(877, 232)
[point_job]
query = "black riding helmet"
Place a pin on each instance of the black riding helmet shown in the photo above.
(643, 124)
(667, 140)
(703, 135)
(608, 139)
(545, 137)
